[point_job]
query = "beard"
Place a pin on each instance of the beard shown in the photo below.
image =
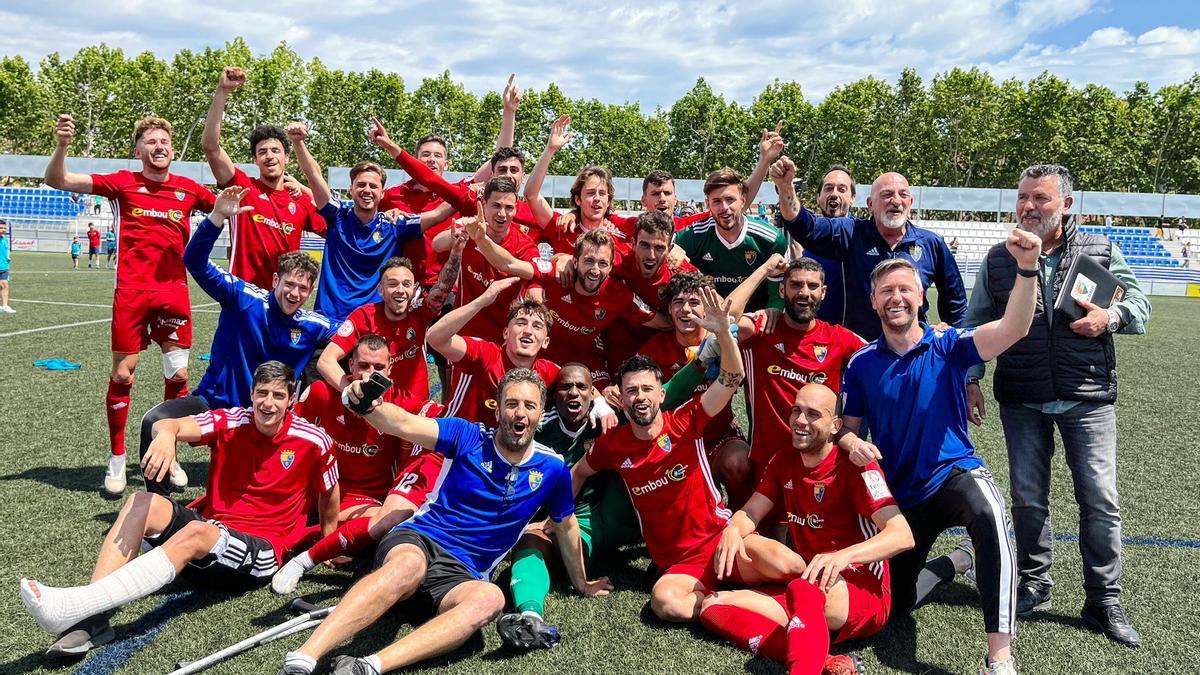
(512, 440)
(894, 222)
(801, 316)
(643, 420)
(1046, 224)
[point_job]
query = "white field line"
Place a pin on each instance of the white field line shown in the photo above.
(195, 308)
(45, 328)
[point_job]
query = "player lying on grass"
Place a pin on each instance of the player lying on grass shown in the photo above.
(843, 522)
(606, 518)
(384, 479)
(439, 562)
(661, 457)
(266, 465)
(256, 325)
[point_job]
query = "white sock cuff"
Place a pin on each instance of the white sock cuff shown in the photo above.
(374, 662)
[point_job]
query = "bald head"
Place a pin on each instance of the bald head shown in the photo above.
(890, 201)
(814, 419)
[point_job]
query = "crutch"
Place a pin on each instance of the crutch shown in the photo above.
(310, 616)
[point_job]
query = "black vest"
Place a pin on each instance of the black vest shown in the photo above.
(1052, 362)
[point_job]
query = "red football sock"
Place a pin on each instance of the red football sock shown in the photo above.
(116, 407)
(351, 537)
(173, 389)
(747, 630)
(807, 633)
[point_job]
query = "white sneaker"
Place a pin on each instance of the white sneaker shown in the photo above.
(114, 476)
(7, 310)
(1007, 667)
(179, 477)
(288, 576)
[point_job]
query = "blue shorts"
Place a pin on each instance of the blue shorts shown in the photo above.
(3, 275)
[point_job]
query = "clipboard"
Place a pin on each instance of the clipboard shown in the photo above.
(1088, 280)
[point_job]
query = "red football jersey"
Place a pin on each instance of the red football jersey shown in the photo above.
(410, 197)
(579, 319)
(273, 228)
(778, 364)
(153, 226)
(477, 274)
(93, 238)
(671, 357)
(669, 479)
(407, 368)
(564, 242)
(629, 223)
(652, 289)
(262, 485)
(829, 506)
(472, 392)
(367, 460)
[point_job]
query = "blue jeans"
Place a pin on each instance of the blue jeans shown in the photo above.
(1089, 436)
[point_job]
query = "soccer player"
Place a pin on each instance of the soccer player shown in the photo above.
(662, 459)
(602, 507)
(911, 384)
(843, 522)
(583, 311)
(801, 349)
(400, 323)
(93, 237)
(276, 220)
(478, 363)
(255, 325)
(440, 561)
(861, 243)
(266, 464)
(5, 262)
(729, 247)
(384, 479)
(359, 239)
(151, 301)
(498, 206)
(110, 248)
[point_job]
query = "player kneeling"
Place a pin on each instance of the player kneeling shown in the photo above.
(265, 461)
(844, 523)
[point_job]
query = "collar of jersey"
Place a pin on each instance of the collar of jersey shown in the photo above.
(923, 343)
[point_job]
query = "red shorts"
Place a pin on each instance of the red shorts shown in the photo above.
(870, 602)
(419, 478)
(700, 566)
(141, 316)
(353, 500)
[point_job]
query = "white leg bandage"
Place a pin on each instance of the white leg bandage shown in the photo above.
(175, 361)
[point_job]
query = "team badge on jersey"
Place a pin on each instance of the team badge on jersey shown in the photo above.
(535, 479)
(346, 328)
(410, 334)
(677, 472)
(916, 252)
(664, 442)
(287, 458)
(751, 257)
(377, 236)
(821, 351)
(292, 208)
(819, 491)
(180, 194)
(600, 313)
(296, 335)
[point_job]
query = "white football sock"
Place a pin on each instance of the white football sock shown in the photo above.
(374, 662)
(60, 608)
(288, 576)
(299, 660)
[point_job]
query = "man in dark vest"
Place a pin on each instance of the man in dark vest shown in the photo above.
(1064, 374)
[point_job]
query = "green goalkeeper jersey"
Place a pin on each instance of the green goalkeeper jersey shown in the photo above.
(573, 445)
(730, 263)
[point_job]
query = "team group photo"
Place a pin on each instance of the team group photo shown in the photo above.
(461, 373)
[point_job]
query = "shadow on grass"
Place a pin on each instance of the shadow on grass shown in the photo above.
(87, 479)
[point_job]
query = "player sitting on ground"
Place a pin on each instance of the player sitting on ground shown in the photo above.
(843, 522)
(151, 299)
(440, 560)
(266, 462)
(661, 457)
(605, 515)
(256, 325)
(384, 479)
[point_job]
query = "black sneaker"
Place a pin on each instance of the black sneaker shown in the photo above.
(524, 632)
(83, 637)
(1032, 598)
(351, 665)
(1112, 621)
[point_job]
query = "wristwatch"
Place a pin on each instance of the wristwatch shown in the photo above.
(1114, 320)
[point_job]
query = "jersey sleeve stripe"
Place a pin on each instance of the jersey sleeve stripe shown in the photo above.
(702, 459)
(460, 392)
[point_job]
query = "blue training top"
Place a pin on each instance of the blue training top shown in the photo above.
(482, 503)
(250, 330)
(354, 254)
(916, 404)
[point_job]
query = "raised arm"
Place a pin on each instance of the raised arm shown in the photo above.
(508, 127)
(783, 172)
(219, 284)
(716, 321)
(57, 175)
(443, 335)
(422, 174)
(394, 420)
(222, 167)
(770, 146)
(992, 338)
(775, 266)
(298, 133)
(560, 135)
(496, 255)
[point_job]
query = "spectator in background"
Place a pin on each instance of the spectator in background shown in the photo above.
(1062, 374)
(76, 249)
(93, 237)
(5, 249)
(110, 247)
(96, 205)
(954, 246)
(1108, 222)
(1187, 253)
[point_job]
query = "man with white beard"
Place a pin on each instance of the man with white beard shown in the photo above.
(862, 243)
(1064, 374)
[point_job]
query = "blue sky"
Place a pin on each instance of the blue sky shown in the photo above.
(650, 52)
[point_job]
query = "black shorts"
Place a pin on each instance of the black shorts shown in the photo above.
(443, 572)
(93, 250)
(238, 561)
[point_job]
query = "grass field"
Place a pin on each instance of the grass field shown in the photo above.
(53, 444)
